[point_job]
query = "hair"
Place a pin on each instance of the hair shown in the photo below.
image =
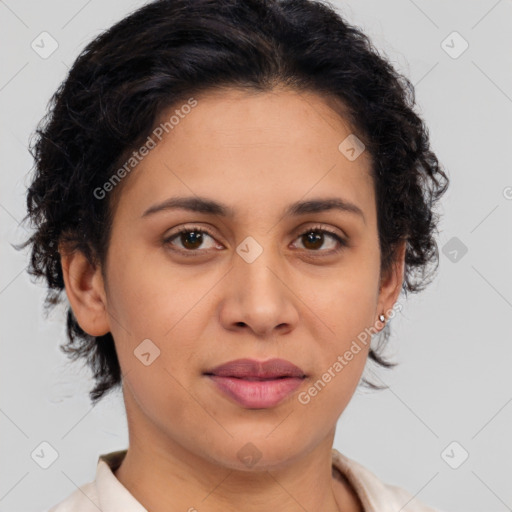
(169, 50)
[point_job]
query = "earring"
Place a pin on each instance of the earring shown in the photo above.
(382, 318)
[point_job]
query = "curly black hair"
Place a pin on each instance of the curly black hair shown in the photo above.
(170, 50)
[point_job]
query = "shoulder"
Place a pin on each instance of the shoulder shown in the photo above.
(373, 492)
(105, 493)
(83, 499)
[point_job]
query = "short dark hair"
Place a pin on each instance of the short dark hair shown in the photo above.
(169, 50)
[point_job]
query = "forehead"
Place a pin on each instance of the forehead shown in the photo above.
(247, 147)
(234, 118)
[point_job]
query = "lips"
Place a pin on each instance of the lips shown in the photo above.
(249, 369)
(257, 385)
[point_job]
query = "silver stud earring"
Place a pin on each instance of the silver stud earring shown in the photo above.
(382, 318)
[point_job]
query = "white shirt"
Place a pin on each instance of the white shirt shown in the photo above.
(107, 494)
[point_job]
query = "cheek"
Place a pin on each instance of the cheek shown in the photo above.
(345, 301)
(341, 352)
(139, 297)
(344, 314)
(155, 315)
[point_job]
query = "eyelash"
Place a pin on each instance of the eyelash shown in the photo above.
(195, 252)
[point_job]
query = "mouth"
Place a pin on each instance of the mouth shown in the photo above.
(250, 379)
(250, 369)
(257, 385)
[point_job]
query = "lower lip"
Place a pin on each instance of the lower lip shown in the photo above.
(255, 394)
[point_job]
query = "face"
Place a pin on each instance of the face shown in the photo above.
(256, 283)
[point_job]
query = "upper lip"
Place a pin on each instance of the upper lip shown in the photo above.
(250, 368)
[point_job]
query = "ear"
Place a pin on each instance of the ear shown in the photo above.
(85, 290)
(391, 282)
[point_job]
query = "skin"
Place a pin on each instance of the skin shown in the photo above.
(257, 153)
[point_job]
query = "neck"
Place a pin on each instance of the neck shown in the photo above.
(176, 480)
(165, 474)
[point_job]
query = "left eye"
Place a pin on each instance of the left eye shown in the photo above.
(192, 238)
(316, 236)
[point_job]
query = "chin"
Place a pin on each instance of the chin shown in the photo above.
(256, 455)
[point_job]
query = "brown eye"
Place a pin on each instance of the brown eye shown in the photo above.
(315, 238)
(190, 240)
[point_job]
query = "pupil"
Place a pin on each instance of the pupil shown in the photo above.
(194, 236)
(314, 238)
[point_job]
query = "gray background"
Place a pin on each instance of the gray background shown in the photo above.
(453, 341)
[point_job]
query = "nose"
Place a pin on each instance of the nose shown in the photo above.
(259, 297)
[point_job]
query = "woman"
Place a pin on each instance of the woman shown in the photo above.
(232, 195)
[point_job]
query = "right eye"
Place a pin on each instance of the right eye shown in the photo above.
(191, 238)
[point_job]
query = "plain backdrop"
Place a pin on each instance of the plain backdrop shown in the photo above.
(451, 395)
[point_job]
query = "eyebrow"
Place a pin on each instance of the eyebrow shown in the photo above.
(208, 206)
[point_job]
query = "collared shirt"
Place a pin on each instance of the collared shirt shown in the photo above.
(107, 494)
